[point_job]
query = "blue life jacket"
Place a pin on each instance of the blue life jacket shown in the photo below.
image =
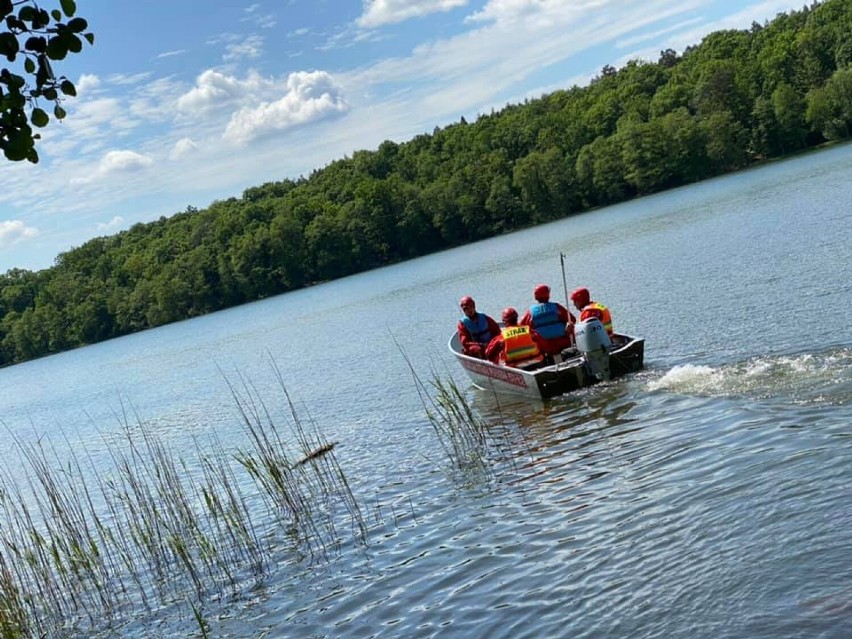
(479, 329)
(545, 320)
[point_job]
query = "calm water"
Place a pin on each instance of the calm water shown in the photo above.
(708, 496)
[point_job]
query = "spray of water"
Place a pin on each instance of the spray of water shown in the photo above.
(808, 378)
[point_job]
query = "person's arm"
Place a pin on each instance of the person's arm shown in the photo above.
(469, 345)
(590, 312)
(526, 319)
(493, 326)
(537, 339)
(494, 348)
(564, 314)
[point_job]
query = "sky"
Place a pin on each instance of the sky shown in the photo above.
(180, 103)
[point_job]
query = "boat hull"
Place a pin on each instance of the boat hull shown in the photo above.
(546, 381)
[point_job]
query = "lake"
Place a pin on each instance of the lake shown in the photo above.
(706, 496)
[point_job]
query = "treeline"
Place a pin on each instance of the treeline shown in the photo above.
(737, 98)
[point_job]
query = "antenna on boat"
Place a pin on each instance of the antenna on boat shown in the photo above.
(564, 281)
(565, 288)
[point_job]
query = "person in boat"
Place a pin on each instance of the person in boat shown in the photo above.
(515, 345)
(475, 329)
(553, 322)
(588, 309)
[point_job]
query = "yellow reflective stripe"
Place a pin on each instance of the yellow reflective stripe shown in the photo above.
(521, 353)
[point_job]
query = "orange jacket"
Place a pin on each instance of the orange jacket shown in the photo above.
(518, 344)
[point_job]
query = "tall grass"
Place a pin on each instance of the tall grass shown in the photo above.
(81, 549)
(303, 479)
(465, 437)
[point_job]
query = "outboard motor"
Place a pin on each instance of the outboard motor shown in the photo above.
(593, 343)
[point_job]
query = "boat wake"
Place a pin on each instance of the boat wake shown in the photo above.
(809, 378)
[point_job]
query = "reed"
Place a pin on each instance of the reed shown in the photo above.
(301, 475)
(82, 548)
(461, 432)
(470, 442)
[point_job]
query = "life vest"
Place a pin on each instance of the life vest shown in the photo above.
(545, 320)
(478, 329)
(601, 312)
(518, 344)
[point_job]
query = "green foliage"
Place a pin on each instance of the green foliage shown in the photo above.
(829, 108)
(30, 40)
(737, 98)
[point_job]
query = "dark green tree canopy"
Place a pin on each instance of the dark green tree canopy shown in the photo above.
(31, 39)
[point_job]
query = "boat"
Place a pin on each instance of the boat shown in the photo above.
(596, 357)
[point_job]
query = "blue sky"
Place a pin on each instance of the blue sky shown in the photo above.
(182, 102)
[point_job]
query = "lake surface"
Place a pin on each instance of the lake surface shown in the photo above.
(707, 496)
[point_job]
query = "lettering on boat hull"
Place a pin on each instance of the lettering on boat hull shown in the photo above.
(502, 374)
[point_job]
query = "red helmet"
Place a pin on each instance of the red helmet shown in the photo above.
(542, 293)
(467, 300)
(510, 315)
(580, 297)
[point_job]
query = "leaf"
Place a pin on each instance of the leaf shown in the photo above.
(19, 145)
(59, 112)
(27, 13)
(50, 94)
(73, 42)
(69, 7)
(29, 65)
(8, 46)
(57, 49)
(13, 153)
(42, 20)
(56, 15)
(90, 37)
(15, 82)
(77, 24)
(39, 118)
(36, 43)
(67, 87)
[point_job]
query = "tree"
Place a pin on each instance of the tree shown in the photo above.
(829, 109)
(790, 117)
(31, 38)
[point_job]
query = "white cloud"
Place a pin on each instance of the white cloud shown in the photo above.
(119, 161)
(116, 162)
(539, 12)
(656, 36)
(169, 54)
(13, 231)
(114, 223)
(214, 89)
(381, 12)
(86, 83)
(262, 20)
(155, 101)
(182, 148)
(132, 78)
(249, 48)
(309, 97)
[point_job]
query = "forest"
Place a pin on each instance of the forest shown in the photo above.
(738, 98)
